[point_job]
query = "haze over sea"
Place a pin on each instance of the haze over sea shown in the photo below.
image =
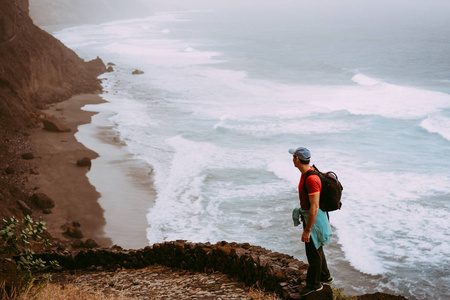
(230, 87)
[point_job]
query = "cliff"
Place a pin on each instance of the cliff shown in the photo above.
(35, 69)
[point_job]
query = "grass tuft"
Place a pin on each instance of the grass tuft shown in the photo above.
(339, 295)
(257, 294)
(52, 291)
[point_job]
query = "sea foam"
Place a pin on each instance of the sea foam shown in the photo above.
(364, 80)
(437, 123)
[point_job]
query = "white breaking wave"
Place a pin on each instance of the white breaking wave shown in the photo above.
(179, 211)
(364, 80)
(437, 123)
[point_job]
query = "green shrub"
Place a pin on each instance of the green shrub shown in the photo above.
(18, 239)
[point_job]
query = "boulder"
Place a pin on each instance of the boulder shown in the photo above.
(42, 201)
(9, 170)
(280, 276)
(111, 64)
(137, 72)
(74, 232)
(84, 162)
(27, 156)
(110, 69)
(90, 243)
(52, 123)
(76, 244)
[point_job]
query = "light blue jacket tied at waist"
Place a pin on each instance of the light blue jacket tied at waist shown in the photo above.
(321, 230)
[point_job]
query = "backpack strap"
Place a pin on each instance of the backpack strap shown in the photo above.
(309, 173)
(313, 172)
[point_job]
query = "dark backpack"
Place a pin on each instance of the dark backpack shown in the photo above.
(330, 196)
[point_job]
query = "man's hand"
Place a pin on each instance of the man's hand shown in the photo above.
(306, 236)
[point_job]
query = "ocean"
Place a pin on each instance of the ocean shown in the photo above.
(202, 137)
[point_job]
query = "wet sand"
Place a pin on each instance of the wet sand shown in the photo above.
(124, 181)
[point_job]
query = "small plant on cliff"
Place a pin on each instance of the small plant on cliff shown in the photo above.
(18, 239)
(338, 294)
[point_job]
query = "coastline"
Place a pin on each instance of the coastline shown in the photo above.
(57, 175)
(124, 181)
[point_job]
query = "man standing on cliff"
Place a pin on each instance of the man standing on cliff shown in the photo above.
(316, 228)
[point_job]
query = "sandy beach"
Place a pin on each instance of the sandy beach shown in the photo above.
(59, 177)
(111, 199)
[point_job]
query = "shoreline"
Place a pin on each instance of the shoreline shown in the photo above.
(58, 176)
(124, 181)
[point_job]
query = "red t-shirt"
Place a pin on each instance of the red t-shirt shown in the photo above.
(313, 186)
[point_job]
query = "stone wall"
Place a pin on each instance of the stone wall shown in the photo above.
(253, 265)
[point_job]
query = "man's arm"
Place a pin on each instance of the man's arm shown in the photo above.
(314, 201)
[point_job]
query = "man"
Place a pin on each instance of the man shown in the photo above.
(316, 228)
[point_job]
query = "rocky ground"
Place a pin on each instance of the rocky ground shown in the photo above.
(14, 169)
(157, 282)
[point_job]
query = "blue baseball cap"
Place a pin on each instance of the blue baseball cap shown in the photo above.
(301, 152)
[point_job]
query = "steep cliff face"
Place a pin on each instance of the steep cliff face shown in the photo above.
(35, 68)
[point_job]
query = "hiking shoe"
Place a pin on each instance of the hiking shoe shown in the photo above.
(327, 281)
(307, 290)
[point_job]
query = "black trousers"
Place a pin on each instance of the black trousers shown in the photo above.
(318, 268)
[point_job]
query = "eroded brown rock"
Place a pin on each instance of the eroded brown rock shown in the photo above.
(9, 170)
(42, 201)
(90, 243)
(28, 156)
(84, 162)
(52, 123)
(74, 232)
